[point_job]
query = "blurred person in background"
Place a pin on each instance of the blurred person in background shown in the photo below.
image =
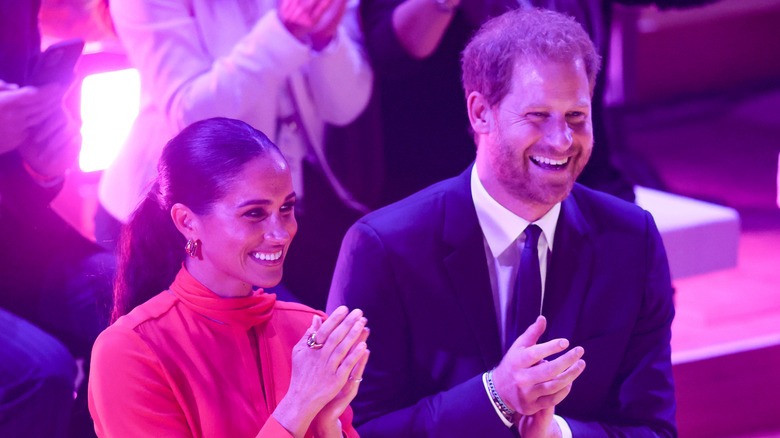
(415, 48)
(55, 285)
(286, 67)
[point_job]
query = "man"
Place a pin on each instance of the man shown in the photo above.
(435, 273)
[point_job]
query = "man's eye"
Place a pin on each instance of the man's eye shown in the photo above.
(537, 114)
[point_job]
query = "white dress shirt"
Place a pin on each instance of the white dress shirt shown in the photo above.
(504, 239)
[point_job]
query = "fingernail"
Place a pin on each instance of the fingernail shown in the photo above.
(579, 351)
(563, 343)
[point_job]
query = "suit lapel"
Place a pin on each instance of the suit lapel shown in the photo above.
(466, 266)
(569, 273)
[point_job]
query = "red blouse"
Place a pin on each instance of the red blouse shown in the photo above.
(188, 363)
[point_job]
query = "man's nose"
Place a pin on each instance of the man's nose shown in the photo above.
(558, 133)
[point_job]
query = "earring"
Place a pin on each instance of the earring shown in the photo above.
(191, 248)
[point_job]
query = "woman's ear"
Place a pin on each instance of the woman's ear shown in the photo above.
(480, 114)
(185, 220)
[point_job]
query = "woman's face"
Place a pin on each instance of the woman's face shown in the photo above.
(245, 236)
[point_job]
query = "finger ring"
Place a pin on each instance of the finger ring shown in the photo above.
(356, 380)
(312, 342)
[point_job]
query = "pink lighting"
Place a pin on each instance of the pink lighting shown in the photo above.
(109, 105)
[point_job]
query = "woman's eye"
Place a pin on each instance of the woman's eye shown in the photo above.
(287, 207)
(255, 213)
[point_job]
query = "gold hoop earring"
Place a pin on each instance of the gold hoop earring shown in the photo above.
(191, 248)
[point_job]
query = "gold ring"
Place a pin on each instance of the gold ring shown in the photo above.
(312, 342)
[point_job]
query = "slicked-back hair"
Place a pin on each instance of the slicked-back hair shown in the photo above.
(196, 169)
(488, 60)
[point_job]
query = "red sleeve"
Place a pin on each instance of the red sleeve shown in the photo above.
(272, 429)
(346, 424)
(129, 394)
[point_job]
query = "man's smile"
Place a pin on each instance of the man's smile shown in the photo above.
(549, 163)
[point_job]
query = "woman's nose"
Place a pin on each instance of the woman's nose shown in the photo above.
(277, 229)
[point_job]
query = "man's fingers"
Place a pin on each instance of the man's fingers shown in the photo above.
(529, 356)
(532, 334)
(560, 380)
(560, 364)
(549, 401)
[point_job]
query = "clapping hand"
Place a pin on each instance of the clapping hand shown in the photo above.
(312, 20)
(327, 367)
(533, 386)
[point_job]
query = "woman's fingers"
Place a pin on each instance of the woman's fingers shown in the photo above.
(336, 327)
(324, 329)
(362, 352)
(347, 341)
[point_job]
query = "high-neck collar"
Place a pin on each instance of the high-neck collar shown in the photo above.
(243, 312)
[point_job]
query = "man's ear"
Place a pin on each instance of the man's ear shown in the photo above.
(185, 220)
(480, 113)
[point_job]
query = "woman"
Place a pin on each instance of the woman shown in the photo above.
(210, 356)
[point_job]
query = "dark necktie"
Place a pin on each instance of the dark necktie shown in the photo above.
(526, 303)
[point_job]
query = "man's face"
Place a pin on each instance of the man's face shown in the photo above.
(541, 135)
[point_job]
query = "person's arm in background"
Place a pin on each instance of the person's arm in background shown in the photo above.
(400, 32)
(419, 25)
(339, 75)
(165, 43)
(39, 142)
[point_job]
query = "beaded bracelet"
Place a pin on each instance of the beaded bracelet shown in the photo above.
(505, 410)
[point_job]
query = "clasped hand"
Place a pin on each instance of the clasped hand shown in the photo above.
(532, 385)
(325, 378)
(314, 21)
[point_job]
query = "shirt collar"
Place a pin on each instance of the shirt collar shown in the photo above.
(500, 226)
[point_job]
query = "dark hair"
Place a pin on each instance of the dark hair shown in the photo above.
(196, 169)
(523, 34)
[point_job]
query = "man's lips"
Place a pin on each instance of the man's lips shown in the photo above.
(549, 163)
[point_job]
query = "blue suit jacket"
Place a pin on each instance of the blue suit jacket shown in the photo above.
(419, 271)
